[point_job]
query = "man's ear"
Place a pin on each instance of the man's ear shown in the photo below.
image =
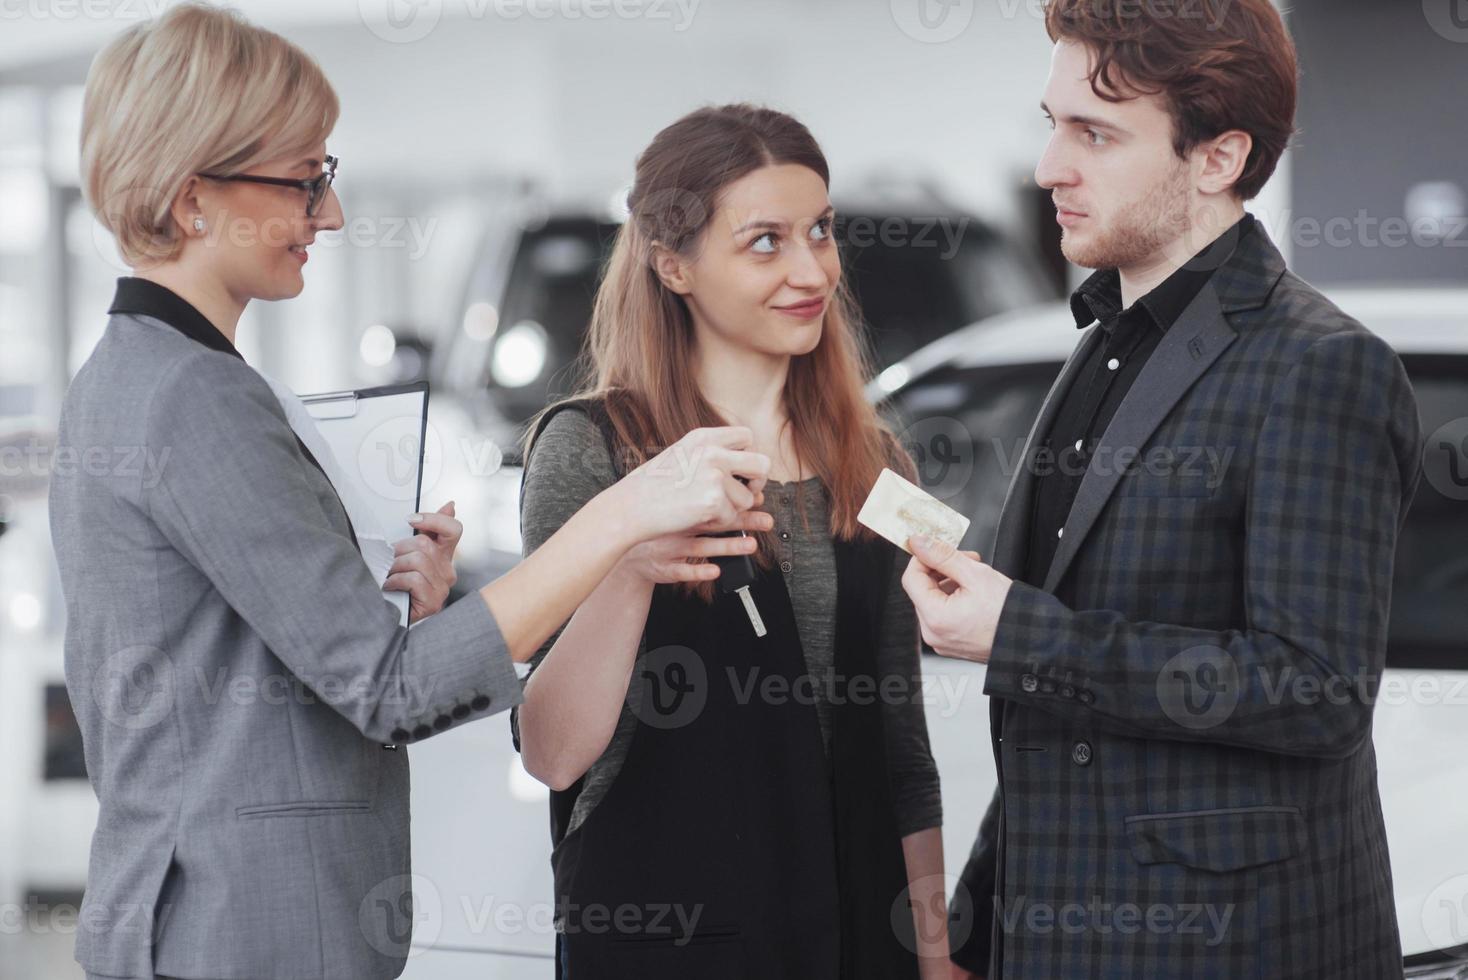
(1224, 158)
(672, 269)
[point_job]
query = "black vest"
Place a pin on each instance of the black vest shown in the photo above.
(727, 807)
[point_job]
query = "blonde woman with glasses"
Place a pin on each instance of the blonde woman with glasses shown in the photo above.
(242, 684)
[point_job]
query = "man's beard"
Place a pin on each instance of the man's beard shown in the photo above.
(1140, 229)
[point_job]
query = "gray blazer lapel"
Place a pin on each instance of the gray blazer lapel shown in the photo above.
(1014, 519)
(1187, 350)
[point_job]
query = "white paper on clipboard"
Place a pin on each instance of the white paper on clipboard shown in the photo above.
(370, 443)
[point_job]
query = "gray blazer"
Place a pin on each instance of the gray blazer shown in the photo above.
(236, 673)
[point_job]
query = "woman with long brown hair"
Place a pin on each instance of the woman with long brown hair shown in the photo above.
(742, 784)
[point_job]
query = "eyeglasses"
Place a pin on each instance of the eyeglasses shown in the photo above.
(315, 188)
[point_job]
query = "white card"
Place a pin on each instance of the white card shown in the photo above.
(898, 510)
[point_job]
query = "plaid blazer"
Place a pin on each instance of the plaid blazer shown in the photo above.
(1182, 715)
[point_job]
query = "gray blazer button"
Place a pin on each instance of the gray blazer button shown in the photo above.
(422, 731)
(443, 723)
(480, 703)
(460, 712)
(399, 735)
(1080, 754)
(1029, 683)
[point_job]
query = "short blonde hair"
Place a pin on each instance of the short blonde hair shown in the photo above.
(196, 90)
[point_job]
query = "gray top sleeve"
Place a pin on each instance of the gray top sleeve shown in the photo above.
(914, 774)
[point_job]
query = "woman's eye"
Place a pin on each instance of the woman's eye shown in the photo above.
(821, 230)
(764, 244)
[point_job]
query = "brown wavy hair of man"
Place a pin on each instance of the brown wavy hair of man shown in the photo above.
(640, 349)
(1220, 64)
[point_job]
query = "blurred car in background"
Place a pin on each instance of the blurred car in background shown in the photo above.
(920, 269)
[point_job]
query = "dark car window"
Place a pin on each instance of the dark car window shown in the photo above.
(551, 287)
(927, 278)
(966, 429)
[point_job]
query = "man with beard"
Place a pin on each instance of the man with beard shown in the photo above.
(1182, 657)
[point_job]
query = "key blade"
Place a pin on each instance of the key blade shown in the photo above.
(749, 607)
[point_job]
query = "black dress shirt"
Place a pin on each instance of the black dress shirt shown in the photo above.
(1128, 339)
(143, 297)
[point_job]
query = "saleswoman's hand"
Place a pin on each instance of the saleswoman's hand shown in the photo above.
(694, 484)
(424, 566)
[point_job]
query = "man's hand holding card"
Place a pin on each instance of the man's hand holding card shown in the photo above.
(958, 598)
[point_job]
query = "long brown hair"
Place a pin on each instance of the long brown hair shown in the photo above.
(639, 356)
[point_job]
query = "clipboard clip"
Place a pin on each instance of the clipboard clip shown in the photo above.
(332, 404)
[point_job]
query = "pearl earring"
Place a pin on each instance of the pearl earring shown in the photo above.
(198, 224)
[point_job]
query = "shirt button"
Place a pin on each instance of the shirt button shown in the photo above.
(784, 535)
(1113, 364)
(1060, 533)
(1080, 754)
(785, 566)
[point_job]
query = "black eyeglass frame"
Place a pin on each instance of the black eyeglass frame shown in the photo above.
(315, 187)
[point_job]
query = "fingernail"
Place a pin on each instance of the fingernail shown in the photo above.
(415, 519)
(922, 541)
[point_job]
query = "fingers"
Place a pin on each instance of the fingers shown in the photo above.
(943, 558)
(698, 547)
(738, 494)
(442, 524)
(755, 466)
(413, 582)
(918, 582)
(683, 572)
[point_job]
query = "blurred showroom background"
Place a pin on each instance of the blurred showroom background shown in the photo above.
(485, 145)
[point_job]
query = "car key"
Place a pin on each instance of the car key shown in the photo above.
(736, 574)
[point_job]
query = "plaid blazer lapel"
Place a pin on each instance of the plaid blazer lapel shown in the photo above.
(1186, 351)
(1243, 282)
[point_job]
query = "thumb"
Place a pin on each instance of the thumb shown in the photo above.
(941, 557)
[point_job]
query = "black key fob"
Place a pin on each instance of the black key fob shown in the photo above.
(735, 571)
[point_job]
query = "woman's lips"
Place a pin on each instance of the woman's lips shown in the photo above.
(300, 253)
(804, 311)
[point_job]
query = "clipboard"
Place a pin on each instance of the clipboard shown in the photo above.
(376, 437)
